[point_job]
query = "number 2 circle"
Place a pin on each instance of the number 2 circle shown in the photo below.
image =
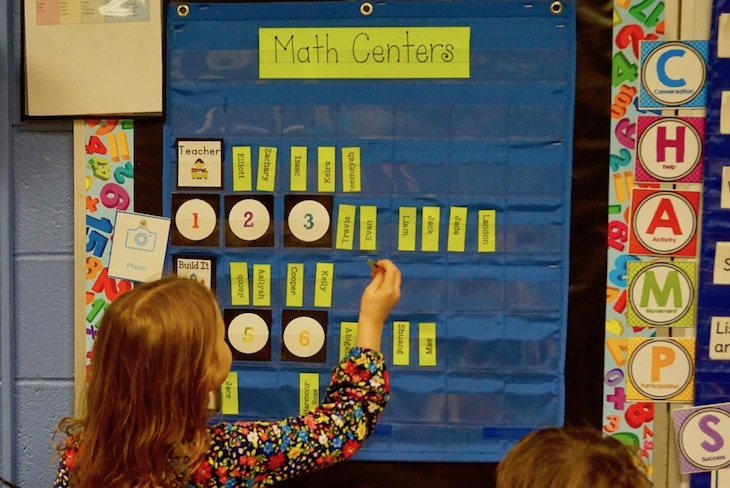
(249, 219)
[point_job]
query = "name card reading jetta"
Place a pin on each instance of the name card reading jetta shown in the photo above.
(364, 52)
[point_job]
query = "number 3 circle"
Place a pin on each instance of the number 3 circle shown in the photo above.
(309, 220)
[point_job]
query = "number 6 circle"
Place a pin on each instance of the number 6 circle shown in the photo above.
(249, 219)
(304, 337)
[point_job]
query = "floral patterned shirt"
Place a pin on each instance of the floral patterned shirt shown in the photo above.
(261, 453)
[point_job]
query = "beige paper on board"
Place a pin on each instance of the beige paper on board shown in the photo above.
(96, 65)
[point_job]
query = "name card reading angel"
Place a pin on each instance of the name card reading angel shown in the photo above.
(362, 52)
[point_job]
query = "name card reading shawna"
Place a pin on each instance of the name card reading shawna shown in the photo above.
(355, 52)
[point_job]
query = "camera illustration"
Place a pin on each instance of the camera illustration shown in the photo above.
(140, 238)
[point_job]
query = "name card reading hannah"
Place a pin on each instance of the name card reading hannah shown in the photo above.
(364, 52)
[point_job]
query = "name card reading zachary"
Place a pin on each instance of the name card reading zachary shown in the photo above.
(364, 52)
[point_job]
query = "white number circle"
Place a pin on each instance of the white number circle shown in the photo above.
(248, 333)
(304, 337)
(249, 219)
(195, 219)
(309, 220)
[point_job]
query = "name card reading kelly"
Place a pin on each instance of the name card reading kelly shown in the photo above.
(364, 52)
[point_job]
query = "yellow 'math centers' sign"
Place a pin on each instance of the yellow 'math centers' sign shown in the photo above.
(354, 52)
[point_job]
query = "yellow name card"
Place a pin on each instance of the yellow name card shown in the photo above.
(401, 343)
(427, 344)
(308, 392)
(229, 394)
(262, 285)
(368, 227)
(239, 284)
(345, 226)
(325, 169)
(298, 168)
(430, 229)
(351, 180)
(348, 334)
(242, 179)
(267, 169)
(486, 230)
(407, 228)
(294, 285)
(457, 229)
(364, 52)
(324, 280)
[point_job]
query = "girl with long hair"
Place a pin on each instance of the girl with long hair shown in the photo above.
(159, 354)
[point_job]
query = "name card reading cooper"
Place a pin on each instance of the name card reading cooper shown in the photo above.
(364, 52)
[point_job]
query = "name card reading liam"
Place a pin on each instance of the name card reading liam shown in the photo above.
(364, 52)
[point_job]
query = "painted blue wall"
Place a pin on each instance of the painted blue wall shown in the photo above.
(36, 220)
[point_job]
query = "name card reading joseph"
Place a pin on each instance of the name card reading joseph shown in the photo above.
(364, 52)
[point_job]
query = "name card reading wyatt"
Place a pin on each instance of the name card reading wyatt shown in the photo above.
(364, 52)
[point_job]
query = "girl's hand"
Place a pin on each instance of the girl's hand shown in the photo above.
(377, 301)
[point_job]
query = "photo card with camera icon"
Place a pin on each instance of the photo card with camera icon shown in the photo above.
(195, 219)
(248, 333)
(195, 267)
(304, 336)
(138, 246)
(308, 221)
(199, 163)
(249, 221)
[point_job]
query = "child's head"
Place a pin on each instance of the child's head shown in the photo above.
(569, 457)
(160, 351)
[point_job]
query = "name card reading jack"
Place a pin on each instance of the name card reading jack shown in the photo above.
(364, 52)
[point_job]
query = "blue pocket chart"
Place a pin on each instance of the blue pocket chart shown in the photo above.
(282, 178)
(712, 376)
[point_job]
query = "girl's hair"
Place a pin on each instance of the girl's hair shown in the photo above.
(570, 457)
(146, 412)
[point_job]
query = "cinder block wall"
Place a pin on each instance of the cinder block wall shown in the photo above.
(38, 157)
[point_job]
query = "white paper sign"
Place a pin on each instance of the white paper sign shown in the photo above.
(75, 66)
(139, 246)
(721, 271)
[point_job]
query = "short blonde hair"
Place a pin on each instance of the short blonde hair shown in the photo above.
(147, 400)
(570, 457)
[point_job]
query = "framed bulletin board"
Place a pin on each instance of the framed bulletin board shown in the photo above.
(405, 157)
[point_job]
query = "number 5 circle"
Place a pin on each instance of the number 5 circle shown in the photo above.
(249, 219)
(248, 333)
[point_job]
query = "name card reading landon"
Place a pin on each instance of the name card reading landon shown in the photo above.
(364, 52)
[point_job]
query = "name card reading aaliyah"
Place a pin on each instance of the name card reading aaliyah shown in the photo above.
(364, 52)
